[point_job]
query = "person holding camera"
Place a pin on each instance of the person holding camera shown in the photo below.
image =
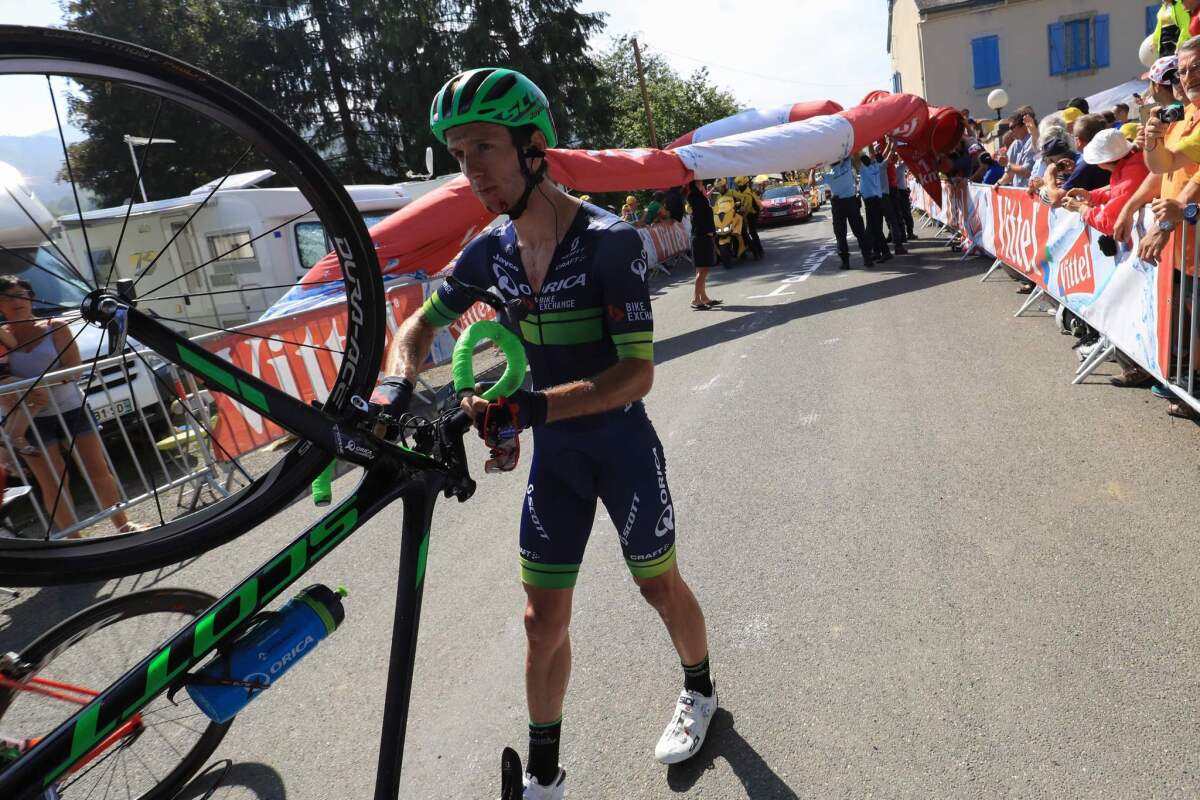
(1065, 174)
(1111, 152)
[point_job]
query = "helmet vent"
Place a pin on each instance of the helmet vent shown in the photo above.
(500, 88)
(467, 93)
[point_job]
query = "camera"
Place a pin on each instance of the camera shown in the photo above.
(1171, 113)
(1108, 245)
(984, 158)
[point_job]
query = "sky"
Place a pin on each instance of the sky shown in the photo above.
(766, 53)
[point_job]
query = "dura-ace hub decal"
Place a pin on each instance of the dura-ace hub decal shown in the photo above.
(191, 645)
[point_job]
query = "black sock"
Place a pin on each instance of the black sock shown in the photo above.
(543, 750)
(697, 679)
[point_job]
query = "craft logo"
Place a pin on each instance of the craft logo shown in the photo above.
(1075, 273)
(1019, 228)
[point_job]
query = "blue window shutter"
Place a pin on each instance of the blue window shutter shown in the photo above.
(985, 56)
(1151, 18)
(1058, 48)
(1101, 51)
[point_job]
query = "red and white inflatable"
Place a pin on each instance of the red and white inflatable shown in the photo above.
(424, 236)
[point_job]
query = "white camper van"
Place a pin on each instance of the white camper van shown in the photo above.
(118, 389)
(239, 253)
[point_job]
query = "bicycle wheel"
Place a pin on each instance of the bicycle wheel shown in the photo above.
(97, 464)
(50, 679)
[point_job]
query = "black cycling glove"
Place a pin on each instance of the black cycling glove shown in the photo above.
(393, 395)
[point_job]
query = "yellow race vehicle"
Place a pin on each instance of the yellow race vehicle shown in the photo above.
(731, 244)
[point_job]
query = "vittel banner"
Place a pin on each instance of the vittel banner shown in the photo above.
(1020, 231)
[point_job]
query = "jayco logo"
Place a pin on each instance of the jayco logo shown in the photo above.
(1075, 273)
(1017, 231)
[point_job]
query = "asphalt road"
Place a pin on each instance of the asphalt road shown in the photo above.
(930, 567)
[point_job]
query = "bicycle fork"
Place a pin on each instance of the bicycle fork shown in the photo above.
(414, 547)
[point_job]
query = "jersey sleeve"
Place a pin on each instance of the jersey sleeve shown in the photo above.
(623, 272)
(446, 304)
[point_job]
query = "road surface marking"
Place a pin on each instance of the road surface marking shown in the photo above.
(810, 265)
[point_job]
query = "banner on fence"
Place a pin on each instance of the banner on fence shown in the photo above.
(1123, 297)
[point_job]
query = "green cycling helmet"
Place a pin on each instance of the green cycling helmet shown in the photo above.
(491, 94)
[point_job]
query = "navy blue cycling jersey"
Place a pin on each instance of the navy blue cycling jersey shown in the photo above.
(592, 309)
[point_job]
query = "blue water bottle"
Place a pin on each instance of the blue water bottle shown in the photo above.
(266, 652)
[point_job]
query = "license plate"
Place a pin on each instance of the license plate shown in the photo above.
(117, 409)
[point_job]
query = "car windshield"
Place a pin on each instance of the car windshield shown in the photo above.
(781, 191)
(55, 288)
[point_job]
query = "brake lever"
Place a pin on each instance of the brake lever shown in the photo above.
(452, 429)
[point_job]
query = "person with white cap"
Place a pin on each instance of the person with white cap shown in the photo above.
(1112, 152)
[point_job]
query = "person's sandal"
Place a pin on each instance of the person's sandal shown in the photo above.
(712, 303)
(700, 306)
(1181, 410)
(1132, 379)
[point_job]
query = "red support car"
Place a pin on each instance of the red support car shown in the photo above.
(784, 204)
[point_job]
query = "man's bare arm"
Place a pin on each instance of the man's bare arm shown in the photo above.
(409, 347)
(628, 380)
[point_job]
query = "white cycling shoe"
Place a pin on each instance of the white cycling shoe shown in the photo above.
(536, 791)
(687, 728)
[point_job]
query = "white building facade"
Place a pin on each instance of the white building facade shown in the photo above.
(1041, 52)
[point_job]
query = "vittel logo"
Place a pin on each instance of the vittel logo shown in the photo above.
(1016, 234)
(565, 283)
(1075, 273)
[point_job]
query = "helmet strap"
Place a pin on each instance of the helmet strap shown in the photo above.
(532, 177)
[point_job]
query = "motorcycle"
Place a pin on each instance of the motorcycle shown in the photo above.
(731, 244)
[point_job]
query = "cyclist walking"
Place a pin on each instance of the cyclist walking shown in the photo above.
(581, 273)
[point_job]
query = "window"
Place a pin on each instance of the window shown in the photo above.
(985, 55)
(230, 245)
(312, 243)
(1152, 18)
(897, 83)
(1078, 45)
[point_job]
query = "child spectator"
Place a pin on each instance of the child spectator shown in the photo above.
(1112, 152)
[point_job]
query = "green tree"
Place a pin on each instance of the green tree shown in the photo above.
(679, 104)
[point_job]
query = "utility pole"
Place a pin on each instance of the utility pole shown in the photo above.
(637, 56)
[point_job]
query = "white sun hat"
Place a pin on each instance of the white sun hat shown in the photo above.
(1108, 145)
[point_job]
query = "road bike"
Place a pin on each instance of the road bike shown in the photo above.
(427, 459)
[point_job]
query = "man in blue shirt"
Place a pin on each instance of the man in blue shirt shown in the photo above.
(845, 204)
(872, 182)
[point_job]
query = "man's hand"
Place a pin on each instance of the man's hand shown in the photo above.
(394, 395)
(1081, 195)
(1152, 245)
(1036, 183)
(1167, 210)
(1154, 128)
(505, 417)
(1123, 227)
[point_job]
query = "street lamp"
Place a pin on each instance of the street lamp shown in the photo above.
(996, 100)
(142, 142)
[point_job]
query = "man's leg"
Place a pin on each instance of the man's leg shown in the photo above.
(904, 204)
(839, 230)
(861, 234)
(752, 230)
(547, 672)
(673, 600)
(875, 228)
(895, 228)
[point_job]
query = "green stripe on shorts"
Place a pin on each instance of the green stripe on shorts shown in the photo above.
(652, 569)
(548, 576)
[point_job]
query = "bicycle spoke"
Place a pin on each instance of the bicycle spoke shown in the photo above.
(71, 179)
(234, 249)
(145, 766)
(140, 170)
(297, 285)
(249, 335)
(211, 437)
(191, 216)
(66, 261)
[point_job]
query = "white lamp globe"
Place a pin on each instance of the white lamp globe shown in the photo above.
(997, 99)
(1147, 52)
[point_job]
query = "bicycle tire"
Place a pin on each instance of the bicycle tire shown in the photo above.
(70, 53)
(50, 644)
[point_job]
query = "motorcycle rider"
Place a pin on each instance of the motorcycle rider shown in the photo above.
(748, 206)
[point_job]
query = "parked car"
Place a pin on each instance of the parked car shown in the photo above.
(784, 204)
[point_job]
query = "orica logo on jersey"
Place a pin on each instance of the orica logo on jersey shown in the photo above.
(565, 283)
(638, 267)
(507, 284)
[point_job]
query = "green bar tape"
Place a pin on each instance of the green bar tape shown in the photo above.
(322, 487)
(463, 369)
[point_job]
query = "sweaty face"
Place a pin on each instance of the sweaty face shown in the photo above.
(1189, 75)
(486, 155)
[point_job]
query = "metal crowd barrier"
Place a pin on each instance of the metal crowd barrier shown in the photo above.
(189, 469)
(1182, 378)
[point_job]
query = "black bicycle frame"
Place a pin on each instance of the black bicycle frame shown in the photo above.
(393, 471)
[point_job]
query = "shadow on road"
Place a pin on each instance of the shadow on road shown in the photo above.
(725, 742)
(224, 780)
(758, 318)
